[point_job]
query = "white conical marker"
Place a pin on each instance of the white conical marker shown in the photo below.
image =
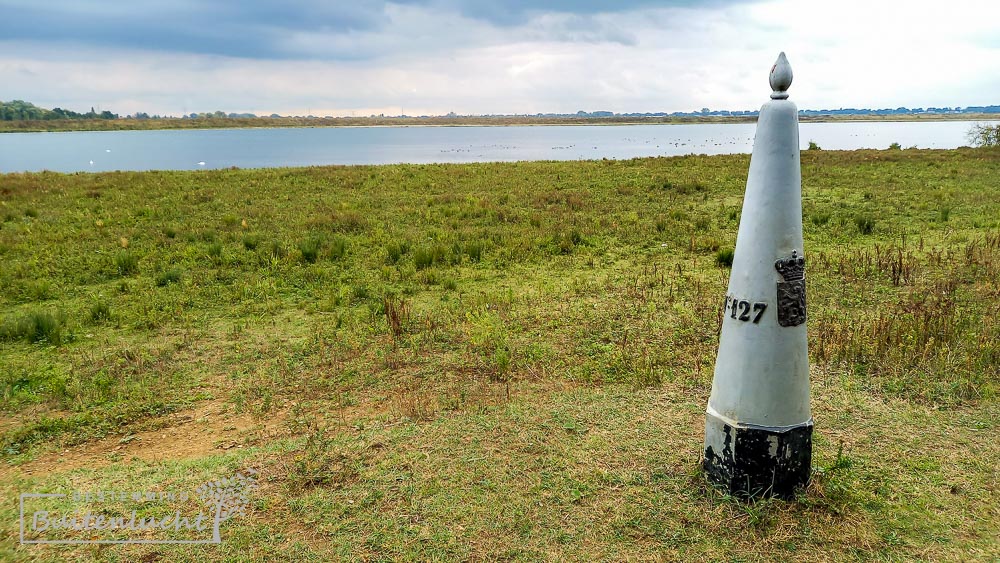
(758, 431)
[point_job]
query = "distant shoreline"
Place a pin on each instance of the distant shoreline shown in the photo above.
(128, 124)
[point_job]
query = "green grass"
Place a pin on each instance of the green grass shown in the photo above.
(724, 257)
(168, 277)
(34, 327)
(100, 311)
(309, 249)
(126, 263)
(497, 361)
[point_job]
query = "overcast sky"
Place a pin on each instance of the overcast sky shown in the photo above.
(358, 57)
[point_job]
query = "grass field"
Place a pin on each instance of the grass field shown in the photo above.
(495, 361)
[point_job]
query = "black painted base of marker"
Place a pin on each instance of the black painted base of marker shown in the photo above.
(753, 461)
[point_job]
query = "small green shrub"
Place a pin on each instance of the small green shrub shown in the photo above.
(309, 249)
(820, 218)
(168, 277)
(275, 250)
(100, 311)
(41, 290)
(895, 147)
(338, 248)
(427, 256)
(251, 242)
(319, 463)
(229, 220)
(474, 250)
(944, 214)
(430, 277)
(348, 222)
(360, 293)
(724, 257)
(449, 284)
(126, 263)
(813, 146)
(984, 135)
(395, 251)
(31, 212)
(566, 242)
(46, 327)
(37, 326)
(865, 224)
(170, 232)
(214, 251)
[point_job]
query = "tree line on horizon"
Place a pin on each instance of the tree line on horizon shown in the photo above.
(19, 110)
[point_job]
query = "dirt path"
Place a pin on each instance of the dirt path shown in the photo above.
(211, 427)
(198, 432)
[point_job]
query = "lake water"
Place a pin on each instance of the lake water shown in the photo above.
(193, 149)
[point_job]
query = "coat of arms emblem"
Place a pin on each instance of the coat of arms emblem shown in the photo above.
(791, 291)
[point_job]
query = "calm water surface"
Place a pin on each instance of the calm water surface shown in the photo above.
(257, 148)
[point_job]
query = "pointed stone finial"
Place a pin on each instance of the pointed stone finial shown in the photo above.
(781, 78)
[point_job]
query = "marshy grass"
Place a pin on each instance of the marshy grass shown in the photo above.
(395, 251)
(309, 249)
(100, 311)
(724, 257)
(430, 255)
(820, 218)
(251, 241)
(347, 222)
(565, 242)
(338, 248)
(35, 327)
(474, 250)
(865, 224)
(275, 250)
(214, 252)
(126, 263)
(501, 360)
(41, 290)
(360, 293)
(167, 277)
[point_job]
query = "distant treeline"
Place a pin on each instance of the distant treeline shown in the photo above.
(19, 110)
(21, 116)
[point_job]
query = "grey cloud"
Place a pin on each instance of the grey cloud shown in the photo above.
(266, 29)
(517, 12)
(250, 29)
